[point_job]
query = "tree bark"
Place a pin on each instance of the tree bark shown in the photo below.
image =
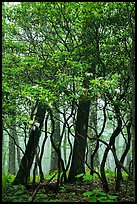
(111, 144)
(80, 141)
(11, 166)
(17, 149)
(119, 173)
(131, 72)
(56, 138)
(26, 162)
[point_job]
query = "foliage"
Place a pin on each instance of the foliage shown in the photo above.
(7, 179)
(74, 51)
(109, 173)
(13, 193)
(67, 60)
(99, 196)
(87, 176)
(67, 193)
(42, 75)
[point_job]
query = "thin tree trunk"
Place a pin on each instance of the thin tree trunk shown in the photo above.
(119, 174)
(111, 144)
(11, 167)
(17, 148)
(65, 147)
(102, 166)
(93, 157)
(56, 138)
(42, 150)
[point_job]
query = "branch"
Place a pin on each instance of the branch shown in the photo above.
(14, 140)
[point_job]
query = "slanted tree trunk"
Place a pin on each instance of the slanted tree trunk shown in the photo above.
(26, 162)
(80, 141)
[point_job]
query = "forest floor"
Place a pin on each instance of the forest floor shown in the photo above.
(86, 191)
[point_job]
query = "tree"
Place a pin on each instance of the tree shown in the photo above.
(78, 158)
(23, 174)
(66, 58)
(56, 138)
(131, 72)
(12, 167)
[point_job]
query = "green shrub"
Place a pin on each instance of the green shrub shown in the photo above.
(7, 179)
(109, 173)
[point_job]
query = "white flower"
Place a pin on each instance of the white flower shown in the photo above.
(84, 89)
(46, 99)
(31, 122)
(37, 124)
(34, 127)
(117, 90)
(100, 78)
(88, 74)
(36, 86)
(28, 97)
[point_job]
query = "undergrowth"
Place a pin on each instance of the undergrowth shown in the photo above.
(7, 179)
(99, 196)
(88, 191)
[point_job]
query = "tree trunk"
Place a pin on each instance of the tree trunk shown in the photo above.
(93, 157)
(119, 177)
(3, 154)
(80, 142)
(132, 76)
(26, 162)
(65, 148)
(56, 138)
(11, 167)
(111, 144)
(131, 71)
(18, 150)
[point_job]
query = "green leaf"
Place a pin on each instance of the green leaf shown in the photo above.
(88, 177)
(92, 200)
(102, 199)
(79, 175)
(113, 197)
(98, 192)
(88, 193)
